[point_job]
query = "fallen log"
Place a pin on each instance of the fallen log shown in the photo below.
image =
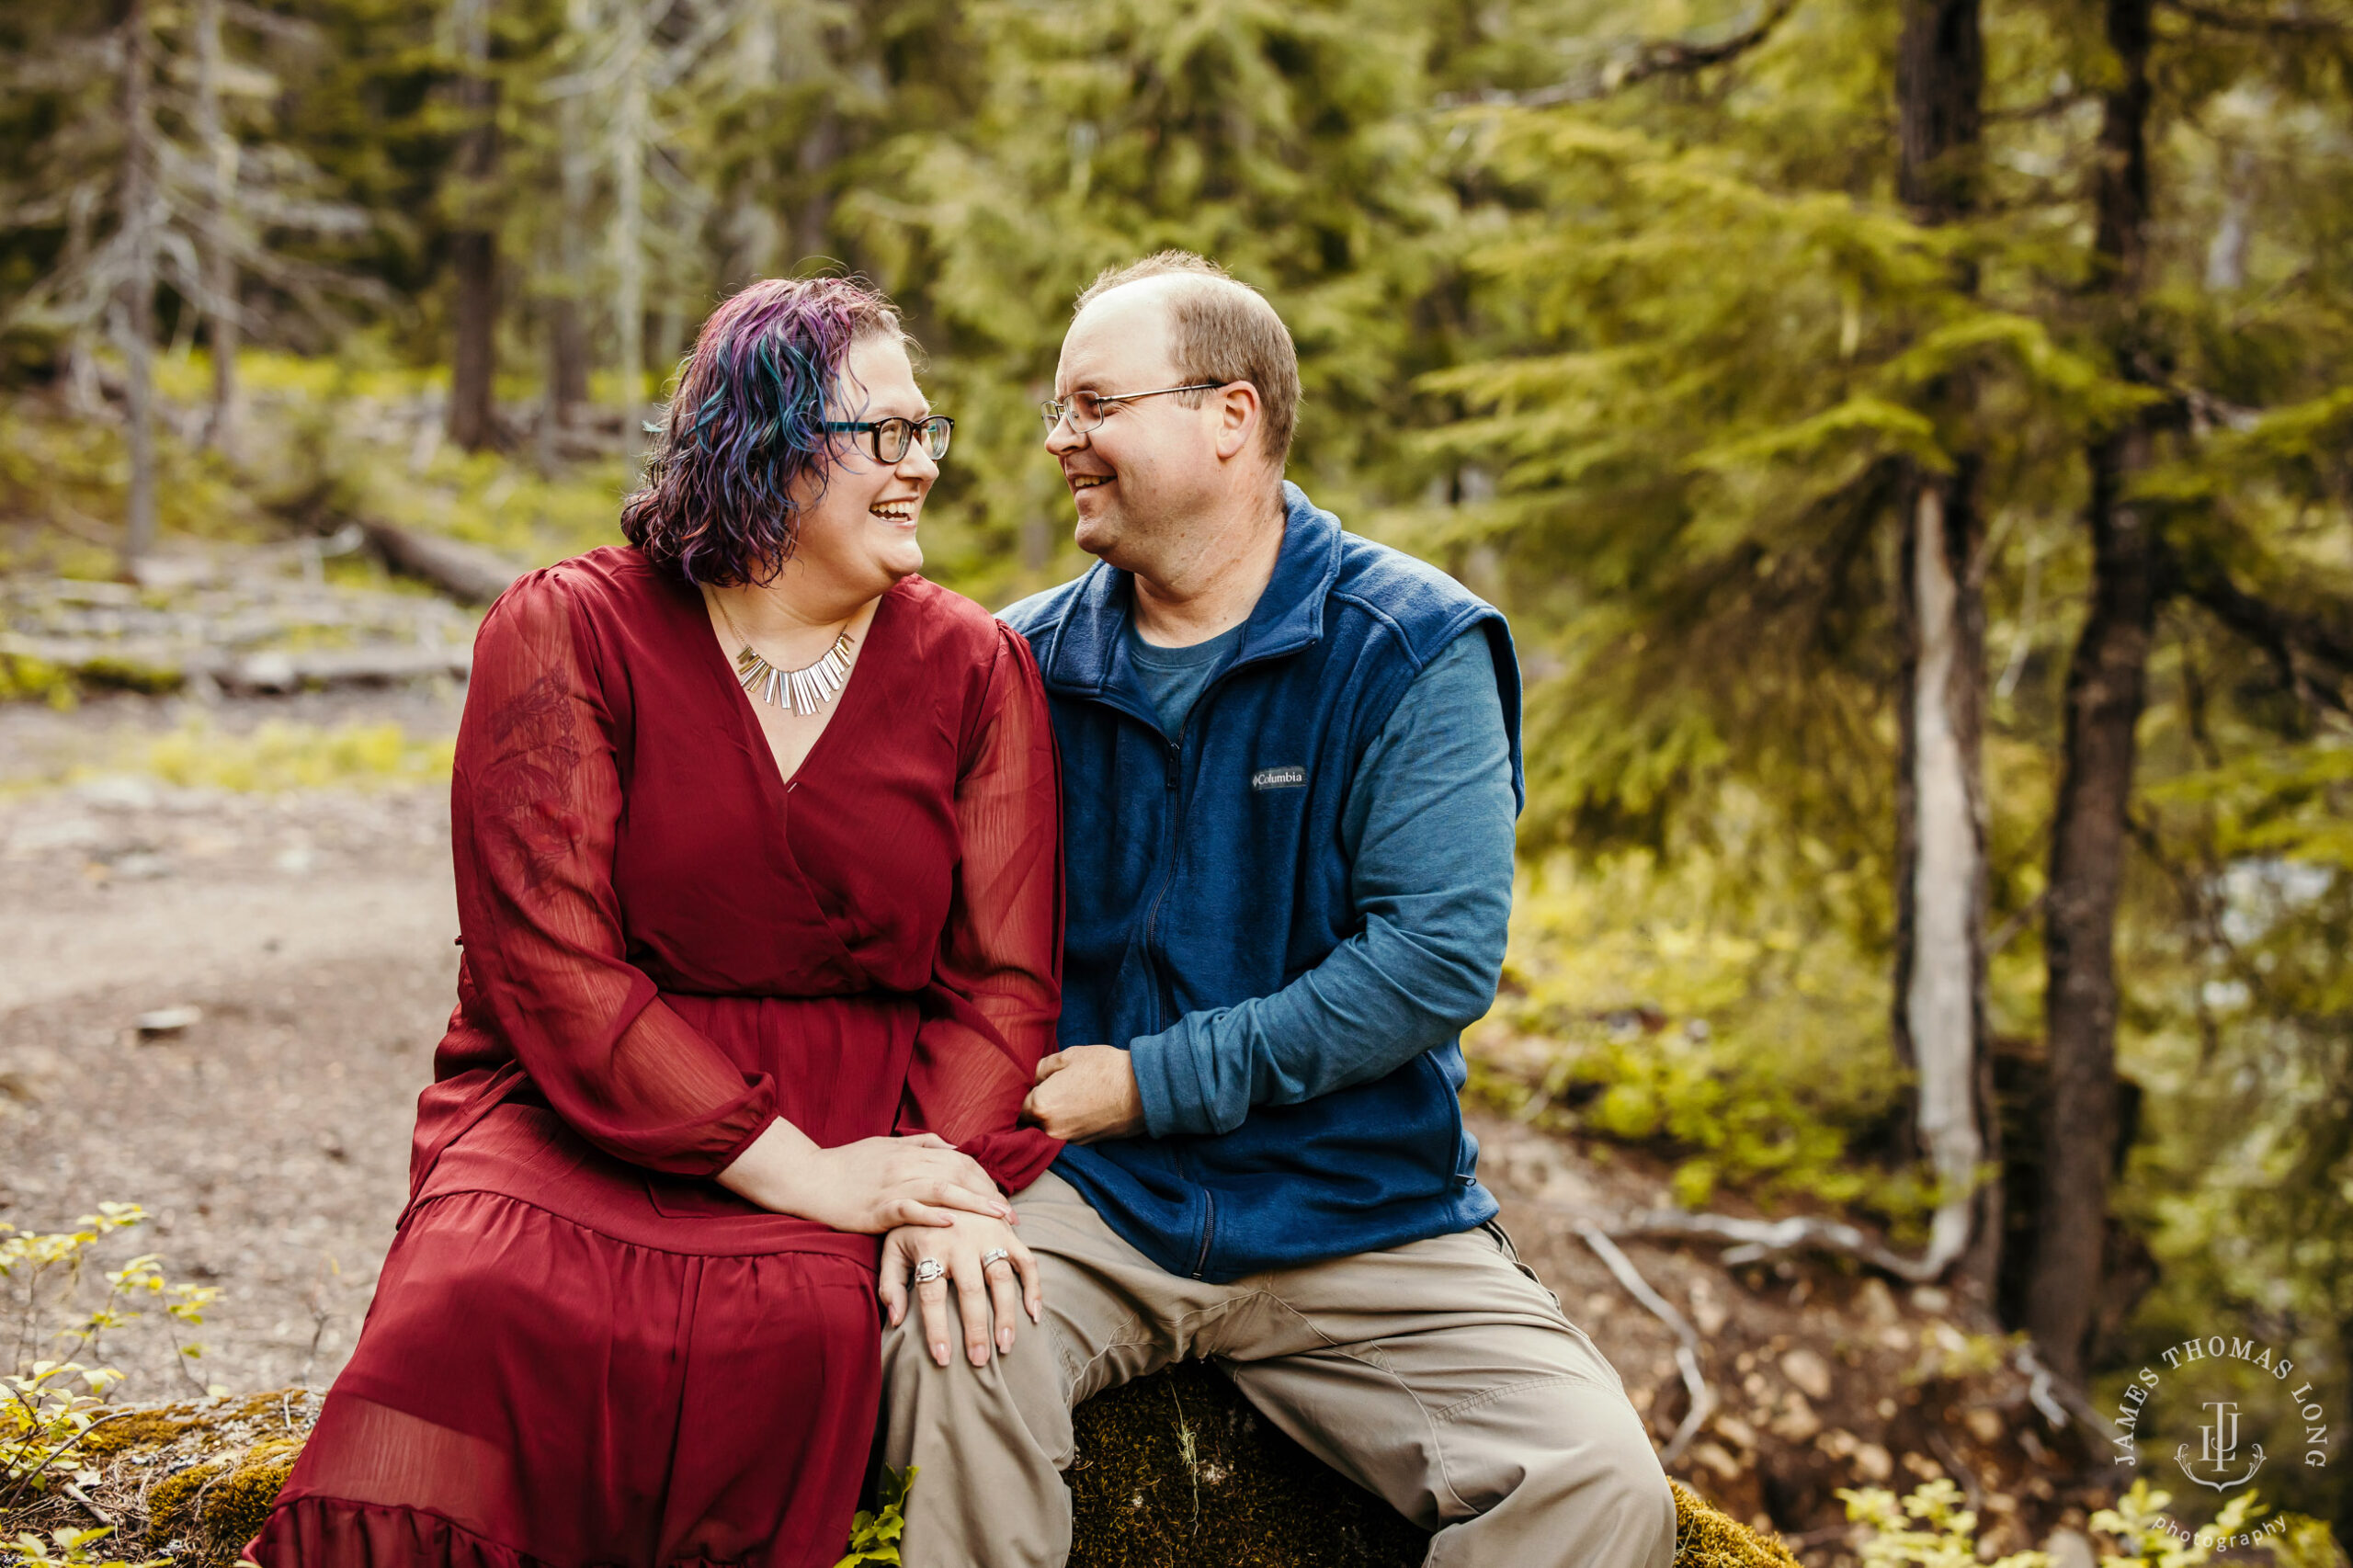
(467, 573)
(157, 667)
(1173, 1470)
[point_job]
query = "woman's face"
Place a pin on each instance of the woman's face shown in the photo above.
(859, 534)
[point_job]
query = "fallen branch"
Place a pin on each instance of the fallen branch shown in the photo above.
(1758, 1239)
(1686, 1341)
(1972, 1492)
(2052, 1395)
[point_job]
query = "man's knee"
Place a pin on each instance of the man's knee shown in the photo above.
(1615, 1481)
(1021, 1389)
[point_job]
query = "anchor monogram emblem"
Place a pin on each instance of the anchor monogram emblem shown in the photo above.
(2218, 1449)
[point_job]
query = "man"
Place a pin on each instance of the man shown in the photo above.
(1291, 770)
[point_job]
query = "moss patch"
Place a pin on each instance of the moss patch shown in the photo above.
(1177, 1468)
(1178, 1471)
(148, 1429)
(203, 1514)
(1706, 1538)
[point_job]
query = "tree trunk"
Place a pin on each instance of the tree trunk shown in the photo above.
(1940, 961)
(567, 325)
(1939, 1013)
(567, 357)
(628, 147)
(1939, 88)
(219, 309)
(2106, 681)
(473, 248)
(819, 151)
(138, 350)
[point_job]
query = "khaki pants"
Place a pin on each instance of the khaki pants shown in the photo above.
(1440, 1375)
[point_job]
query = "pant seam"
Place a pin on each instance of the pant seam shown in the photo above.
(1437, 1444)
(1488, 1396)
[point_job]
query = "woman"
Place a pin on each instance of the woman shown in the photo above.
(758, 877)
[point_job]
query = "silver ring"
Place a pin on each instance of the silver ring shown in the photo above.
(929, 1269)
(995, 1255)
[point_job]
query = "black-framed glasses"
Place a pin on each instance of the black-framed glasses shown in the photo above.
(888, 439)
(1084, 409)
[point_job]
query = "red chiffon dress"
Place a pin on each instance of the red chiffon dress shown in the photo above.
(582, 1349)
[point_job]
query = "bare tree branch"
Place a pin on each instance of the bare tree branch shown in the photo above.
(1638, 60)
(2313, 661)
(2056, 103)
(2239, 22)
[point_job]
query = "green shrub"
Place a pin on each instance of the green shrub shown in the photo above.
(1657, 1005)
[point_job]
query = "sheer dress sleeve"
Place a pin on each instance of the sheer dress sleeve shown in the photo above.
(989, 1012)
(534, 803)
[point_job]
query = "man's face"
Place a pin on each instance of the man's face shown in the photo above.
(1150, 465)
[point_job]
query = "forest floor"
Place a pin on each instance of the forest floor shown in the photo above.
(312, 932)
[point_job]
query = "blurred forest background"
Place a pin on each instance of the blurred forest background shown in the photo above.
(1913, 439)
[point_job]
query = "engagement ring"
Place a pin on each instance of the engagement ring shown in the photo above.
(929, 1269)
(996, 1255)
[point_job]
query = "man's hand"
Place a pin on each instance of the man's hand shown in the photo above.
(1085, 1093)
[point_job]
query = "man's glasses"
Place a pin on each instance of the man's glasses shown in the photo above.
(1085, 410)
(888, 438)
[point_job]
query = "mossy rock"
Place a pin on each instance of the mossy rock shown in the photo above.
(1174, 1471)
(203, 1514)
(193, 1480)
(1178, 1471)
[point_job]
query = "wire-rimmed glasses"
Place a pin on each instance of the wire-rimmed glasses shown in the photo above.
(1084, 409)
(888, 439)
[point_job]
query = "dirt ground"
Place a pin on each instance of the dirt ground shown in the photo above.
(269, 1139)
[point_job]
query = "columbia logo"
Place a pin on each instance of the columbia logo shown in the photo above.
(1293, 778)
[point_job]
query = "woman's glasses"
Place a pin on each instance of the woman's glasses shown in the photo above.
(888, 439)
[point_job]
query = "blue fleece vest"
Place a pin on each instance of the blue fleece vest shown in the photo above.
(1206, 868)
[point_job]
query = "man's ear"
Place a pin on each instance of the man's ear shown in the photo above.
(1238, 414)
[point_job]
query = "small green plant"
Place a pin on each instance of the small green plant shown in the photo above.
(74, 1549)
(49, 1403)
(2140, 1524)
(24, 678)
(1927, 1530)
(1930, 1530)
(43, 1423)
(874, 1537)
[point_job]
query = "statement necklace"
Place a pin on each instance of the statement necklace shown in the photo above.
(804, 690)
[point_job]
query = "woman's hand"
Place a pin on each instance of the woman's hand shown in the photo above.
(871, 1185)
(987, 1298)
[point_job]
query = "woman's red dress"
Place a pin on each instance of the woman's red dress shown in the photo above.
(583, 1350)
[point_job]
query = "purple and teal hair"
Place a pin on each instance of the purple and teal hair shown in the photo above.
(746, 428)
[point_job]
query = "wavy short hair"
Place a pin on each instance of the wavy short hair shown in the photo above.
(746, 428)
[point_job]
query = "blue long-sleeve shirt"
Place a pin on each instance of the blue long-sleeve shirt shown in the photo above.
(1428, 832)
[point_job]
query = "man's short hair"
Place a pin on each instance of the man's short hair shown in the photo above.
(1221, 330)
